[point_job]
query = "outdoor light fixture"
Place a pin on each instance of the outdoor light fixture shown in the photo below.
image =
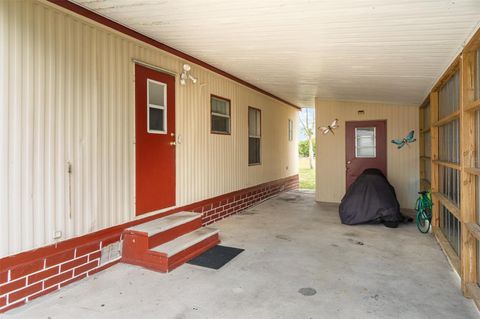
(185, 76)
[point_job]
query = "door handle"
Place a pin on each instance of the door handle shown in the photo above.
(349, 162)
(173, 143)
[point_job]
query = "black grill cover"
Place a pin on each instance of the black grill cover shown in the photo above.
(371, 199)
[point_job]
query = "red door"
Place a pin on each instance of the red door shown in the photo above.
(155, 140)
(366, 147)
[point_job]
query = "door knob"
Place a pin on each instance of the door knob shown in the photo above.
(173, 143)
(349, 162)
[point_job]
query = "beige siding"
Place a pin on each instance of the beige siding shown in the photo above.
(402, 165)
(67, 96)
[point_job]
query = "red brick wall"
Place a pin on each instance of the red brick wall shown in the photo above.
(36, 273)
(25, 282)
(235, 203)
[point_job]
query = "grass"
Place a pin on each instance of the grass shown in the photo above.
(306, 175)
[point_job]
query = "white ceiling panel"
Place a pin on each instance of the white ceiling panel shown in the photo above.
(369, 50)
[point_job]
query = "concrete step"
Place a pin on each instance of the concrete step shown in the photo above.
(184, 242)
(165, 223)
(168, 242)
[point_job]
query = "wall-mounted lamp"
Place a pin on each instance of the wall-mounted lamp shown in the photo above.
(185, 76)
(361, 112)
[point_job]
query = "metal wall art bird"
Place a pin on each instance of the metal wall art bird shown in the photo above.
(329, 128)
(404, 141)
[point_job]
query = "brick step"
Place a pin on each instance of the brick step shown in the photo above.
(187, 247)
(159, 225)
(183, 242)
(167, 242)
(164, 229)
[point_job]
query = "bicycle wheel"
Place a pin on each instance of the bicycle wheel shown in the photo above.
(423, 221)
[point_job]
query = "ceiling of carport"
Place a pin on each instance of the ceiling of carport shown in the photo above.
(370, 50)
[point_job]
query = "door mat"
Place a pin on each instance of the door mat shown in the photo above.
(216, 257)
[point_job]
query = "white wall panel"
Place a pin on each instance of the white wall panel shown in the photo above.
(67, 97)
(402, 164)
(369, 50)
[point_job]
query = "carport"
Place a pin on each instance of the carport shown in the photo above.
(308, 265)
(137, 135)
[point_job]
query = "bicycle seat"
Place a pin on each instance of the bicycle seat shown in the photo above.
(422, 192)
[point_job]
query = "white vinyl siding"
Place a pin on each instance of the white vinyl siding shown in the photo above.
(402, 166)
(68, 97)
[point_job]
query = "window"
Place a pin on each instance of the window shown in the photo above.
(290, 130)
(156, 107)
(451, 228)
(220, 109)
(254, 135)
(447, 168)
(449, 96)
(365, 142)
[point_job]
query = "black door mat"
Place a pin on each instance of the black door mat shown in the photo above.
(216, 257)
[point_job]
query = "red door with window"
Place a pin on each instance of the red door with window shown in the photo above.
(366, 147)
(154, 140)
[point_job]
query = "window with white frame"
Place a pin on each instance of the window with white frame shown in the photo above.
(254, 135)
(290, 130)
(156, 107)
(220, 113)
(365, 142)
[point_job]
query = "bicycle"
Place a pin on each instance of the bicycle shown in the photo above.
(423, 207)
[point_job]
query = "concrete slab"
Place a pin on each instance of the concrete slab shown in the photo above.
(299, 262)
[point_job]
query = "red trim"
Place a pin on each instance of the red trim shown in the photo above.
(134, 34)
(136, 249)
(112, 234)
(79, 257)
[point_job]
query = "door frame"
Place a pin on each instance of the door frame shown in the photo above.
(133, 174)
(346, 146)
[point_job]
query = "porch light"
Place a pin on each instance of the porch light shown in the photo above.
(185, 76)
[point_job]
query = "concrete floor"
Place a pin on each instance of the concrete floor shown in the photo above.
(291, 242)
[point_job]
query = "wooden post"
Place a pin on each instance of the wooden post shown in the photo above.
(421, 116)
(467, 151)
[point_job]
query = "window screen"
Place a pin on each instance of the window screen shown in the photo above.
(254, 135)
(220, 115)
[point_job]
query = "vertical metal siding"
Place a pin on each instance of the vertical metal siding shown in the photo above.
(402, 165)
(67, 97)
(4, 171)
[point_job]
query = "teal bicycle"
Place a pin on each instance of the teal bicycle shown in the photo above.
(424, 211)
